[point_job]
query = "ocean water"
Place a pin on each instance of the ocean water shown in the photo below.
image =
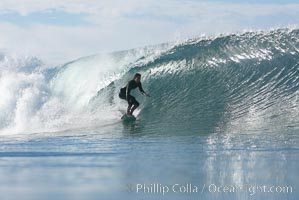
(221, 123)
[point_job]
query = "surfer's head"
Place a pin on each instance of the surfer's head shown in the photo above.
(137, 77)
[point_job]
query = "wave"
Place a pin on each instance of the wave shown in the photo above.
(233, 82)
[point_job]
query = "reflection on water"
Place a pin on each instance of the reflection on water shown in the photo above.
(132, 127)
(108, 160)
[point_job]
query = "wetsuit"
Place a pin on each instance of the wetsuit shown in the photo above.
(125, 92)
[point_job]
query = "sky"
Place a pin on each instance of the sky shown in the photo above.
(58, 31)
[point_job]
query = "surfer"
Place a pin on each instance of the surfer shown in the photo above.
(125, 93)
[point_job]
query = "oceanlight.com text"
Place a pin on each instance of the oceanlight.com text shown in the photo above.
(157, 188)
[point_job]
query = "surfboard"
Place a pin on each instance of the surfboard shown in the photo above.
(128, 118)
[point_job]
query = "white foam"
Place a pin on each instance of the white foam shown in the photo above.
(31, 103)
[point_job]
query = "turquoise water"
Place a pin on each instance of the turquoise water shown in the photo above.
(100, 164)
(221, 123)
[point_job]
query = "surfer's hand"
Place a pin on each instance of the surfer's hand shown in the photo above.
(146, 94)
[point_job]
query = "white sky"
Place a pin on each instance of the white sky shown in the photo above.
(58, 31)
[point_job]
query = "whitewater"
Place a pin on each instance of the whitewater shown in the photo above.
(223, 111)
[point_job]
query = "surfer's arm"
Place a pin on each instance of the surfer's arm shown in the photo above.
(127, 90)
(142, 91)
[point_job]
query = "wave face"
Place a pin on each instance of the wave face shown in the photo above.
(234, 83)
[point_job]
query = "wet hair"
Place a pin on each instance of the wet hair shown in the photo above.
(137, 75)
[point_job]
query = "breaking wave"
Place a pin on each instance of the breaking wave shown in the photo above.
(234, 82)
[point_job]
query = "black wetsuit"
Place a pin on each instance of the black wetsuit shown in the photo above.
(125, 92)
